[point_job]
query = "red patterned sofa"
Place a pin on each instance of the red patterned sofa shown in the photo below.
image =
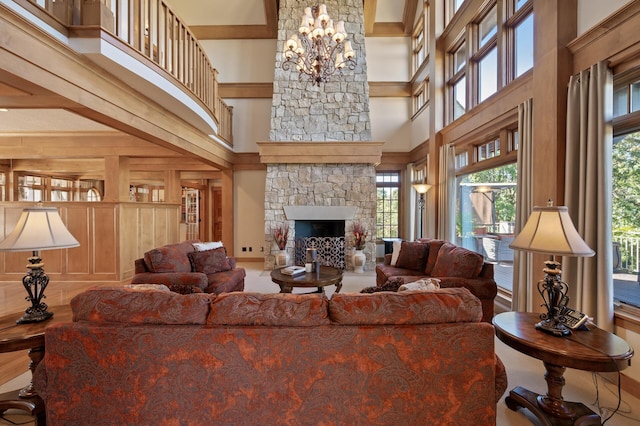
(454, 266)
(184, 270)
(150, 357)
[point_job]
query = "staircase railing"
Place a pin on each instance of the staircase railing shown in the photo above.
(153, 29)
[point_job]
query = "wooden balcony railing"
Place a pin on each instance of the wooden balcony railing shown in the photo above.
(156, 32)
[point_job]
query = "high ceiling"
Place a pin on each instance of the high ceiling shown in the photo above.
(26, 108)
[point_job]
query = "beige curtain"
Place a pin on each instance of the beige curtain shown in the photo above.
(447, 194)
(588, 178)
(522, 261)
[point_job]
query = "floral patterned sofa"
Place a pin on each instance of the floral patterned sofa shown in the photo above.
(153, 357)
(454, 266)
(184, 269)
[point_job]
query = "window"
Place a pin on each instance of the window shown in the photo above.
(523, 54)
(3, 187)
(419, 40)
(61, 189)
(93, 195)
(488, 150)
(420, 97)
(625, 224)
(486, 55)
(462, 160)
(388, 204)
(494, 48)
(485, 217)
(31, 188)
(458, 82)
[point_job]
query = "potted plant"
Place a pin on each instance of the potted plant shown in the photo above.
(281, 237)
(359, 241)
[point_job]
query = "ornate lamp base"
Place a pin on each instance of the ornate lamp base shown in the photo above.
(551, 327)
(35, 282)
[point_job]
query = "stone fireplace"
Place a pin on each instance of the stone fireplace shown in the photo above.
(320, 157)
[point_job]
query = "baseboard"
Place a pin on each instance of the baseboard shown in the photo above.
(630, 385)
(249, 259)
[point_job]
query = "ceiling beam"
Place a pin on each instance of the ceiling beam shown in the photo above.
(78, 145)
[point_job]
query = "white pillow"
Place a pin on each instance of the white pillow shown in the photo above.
(207, 246)
(396, 252)
(428, 284)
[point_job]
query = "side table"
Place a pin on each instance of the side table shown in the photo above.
(592, 350)
(18, 337)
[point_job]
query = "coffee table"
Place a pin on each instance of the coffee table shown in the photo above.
(328, 276)
(17, 337)
(590, 350)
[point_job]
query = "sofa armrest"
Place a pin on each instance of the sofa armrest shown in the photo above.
(140, 266)
(387, 259)
(180, 282)
(232, 262)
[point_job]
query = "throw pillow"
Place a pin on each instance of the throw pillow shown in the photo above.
(454, 261)
(434, 247)
(396, 252)
(426, 284)
(169, 258)
(207, 246)
(210, 261)
(413, 255)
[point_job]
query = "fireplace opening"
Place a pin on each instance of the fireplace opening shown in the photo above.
(328, 238)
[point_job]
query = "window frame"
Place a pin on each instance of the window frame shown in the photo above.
(399, 213)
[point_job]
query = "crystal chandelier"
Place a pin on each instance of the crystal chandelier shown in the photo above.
(321, 49)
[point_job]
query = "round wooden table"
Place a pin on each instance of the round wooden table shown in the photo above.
(18, 337)
(327, 276)
(589, 350)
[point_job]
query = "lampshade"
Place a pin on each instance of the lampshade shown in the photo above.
(39, 228)
(421, 188)
(550, 230)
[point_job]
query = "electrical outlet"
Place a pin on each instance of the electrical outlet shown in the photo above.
(244, 249)
(250, 248)
(261, 249)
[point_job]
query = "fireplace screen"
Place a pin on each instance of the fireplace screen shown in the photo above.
(327, 236)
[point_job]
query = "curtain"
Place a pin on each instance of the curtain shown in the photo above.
(588, 191)
(447, 194)
(522, 261)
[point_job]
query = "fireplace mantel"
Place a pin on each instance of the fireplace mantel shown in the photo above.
(342, 152)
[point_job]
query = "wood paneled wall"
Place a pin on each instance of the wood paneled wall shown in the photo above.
(111, 237)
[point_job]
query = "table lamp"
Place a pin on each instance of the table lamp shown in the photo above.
(39, 228)
(549, 230)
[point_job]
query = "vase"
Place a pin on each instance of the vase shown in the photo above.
(359, 259)
(282, 258)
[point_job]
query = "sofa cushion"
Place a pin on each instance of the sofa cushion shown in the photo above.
(454, 261)
(130, 305)
(169, 258)
(278, 309)
(408, 307)
(210, 261)
(413, 255)
(434, 249)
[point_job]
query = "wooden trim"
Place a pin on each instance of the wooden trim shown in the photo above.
(615, 38)
(377, 89)
(246, 90)
(320, 152)
(369, 16)
(409, 15)
(388, 29)
(630, 385)
(389, 89)
(394, 161)
(248, 161)
(230, 32)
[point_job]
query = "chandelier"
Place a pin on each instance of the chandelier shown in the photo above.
(321, 50)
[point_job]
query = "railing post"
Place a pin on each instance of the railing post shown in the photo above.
(63, 10)
(96, 12)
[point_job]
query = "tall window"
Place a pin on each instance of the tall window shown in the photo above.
(626, 191)
(388, 204)
(31, 188)
(487, 55)
(486, 215)
(458, 81)
(495, 47)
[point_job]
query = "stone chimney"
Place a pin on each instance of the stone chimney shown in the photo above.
(320, 151)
